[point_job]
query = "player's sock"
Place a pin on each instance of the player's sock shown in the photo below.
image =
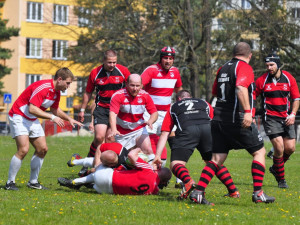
(286, 157)
(92, 151)
(207, 174)
(181, 172)
(258, 172)
(84, 180)
(225, 177)
(278, 166)
(15, 165)
(35, 164)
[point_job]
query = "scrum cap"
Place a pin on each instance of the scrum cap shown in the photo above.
(273, 57)
(167, 51)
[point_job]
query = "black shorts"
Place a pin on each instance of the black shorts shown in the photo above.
(275, 128)
(101, 115)
(196, 136)
(227, 136)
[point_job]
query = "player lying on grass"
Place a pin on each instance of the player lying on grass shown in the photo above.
(140, 180)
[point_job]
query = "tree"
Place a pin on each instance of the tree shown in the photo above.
(5, 34)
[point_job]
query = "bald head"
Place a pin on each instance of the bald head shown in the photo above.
(109, 158)
(134, 84)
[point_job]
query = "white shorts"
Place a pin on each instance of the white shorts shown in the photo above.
(21, 126)
(129, 140)
(157, 125)
(103, 179)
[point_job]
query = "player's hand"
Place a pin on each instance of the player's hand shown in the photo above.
(81, 116)
(59, 121)
(156, 163)
(114, 133)
(91, 127)
(247, 120)
(149, 124)
(290, 120)
(73, 122)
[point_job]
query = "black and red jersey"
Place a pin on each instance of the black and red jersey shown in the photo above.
(106, 83)
(233, 73)
(118, 149)
(276, 94)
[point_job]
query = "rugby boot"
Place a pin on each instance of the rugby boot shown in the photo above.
(68, 183)
(74, 156)
(186, 189)
(261, 197)
(273, 172)
(235, 194)
(282, 184)
(199, 198)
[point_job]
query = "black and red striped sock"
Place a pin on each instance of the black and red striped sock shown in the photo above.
(225, 177)
(286, 157)
(92, 151)
(207, 174)
(258, 172)
(278, 166)
(181, 172)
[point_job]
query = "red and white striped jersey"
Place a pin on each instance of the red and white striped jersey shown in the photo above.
(160, 85)
(130, 109)
(41, 94)
(276, 93)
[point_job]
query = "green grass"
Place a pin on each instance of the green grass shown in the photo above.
(60, 205)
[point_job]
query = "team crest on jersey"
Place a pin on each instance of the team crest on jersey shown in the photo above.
(140, 100)
(268, 88)
(159, 75)
(172, 74)
(51, 90)
(101, 81)
(117, 79)
(285, 87)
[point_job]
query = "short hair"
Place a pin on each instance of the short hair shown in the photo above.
(64, 73)
(183, 94)
(109, 53)
(241, 49)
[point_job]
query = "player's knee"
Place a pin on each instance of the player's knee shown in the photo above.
(41, 152)
(22, 152)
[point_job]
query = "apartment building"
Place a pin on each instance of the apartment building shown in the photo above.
(47, 29)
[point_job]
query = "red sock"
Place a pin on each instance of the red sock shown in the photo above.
(181, 172)
(258, 172)
(225, 177)
(92, 151)
(207, 174)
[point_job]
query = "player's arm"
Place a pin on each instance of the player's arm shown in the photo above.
(86, 98)
(290, 120)
(160, 147)
(242, 94)
(97, 156)
(62, 115)
(113, 124)
(152, 119)
(91, 126)
(177, 89)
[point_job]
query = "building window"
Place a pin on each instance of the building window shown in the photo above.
(33, 48)
(296, 13)
(246, 4)
(227, 4)
(59, 49)
(31, 78)
(34, 12)
(84, 16)
(60, 14)
(81, 84)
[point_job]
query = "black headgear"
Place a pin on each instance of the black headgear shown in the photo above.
(273, 57)
(167, 51)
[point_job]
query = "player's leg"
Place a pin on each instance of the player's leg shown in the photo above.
(289, 148)
(143, 142)
(37, 160)
(22, 143)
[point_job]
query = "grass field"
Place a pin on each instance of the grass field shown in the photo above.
(60, 205)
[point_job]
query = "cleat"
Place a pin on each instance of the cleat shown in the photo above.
(272, 171)
(186, 189)
(199, 198)
(74, 156)
(11, 186)
(270, 154)
(260, 196)
(282, 184)
(83, 172)
(179, 185)
(36, 186)
(235, 194)
(68, 183)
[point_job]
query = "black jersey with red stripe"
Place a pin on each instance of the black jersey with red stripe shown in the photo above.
(106, 83)
(276, 94)
(233, 73)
